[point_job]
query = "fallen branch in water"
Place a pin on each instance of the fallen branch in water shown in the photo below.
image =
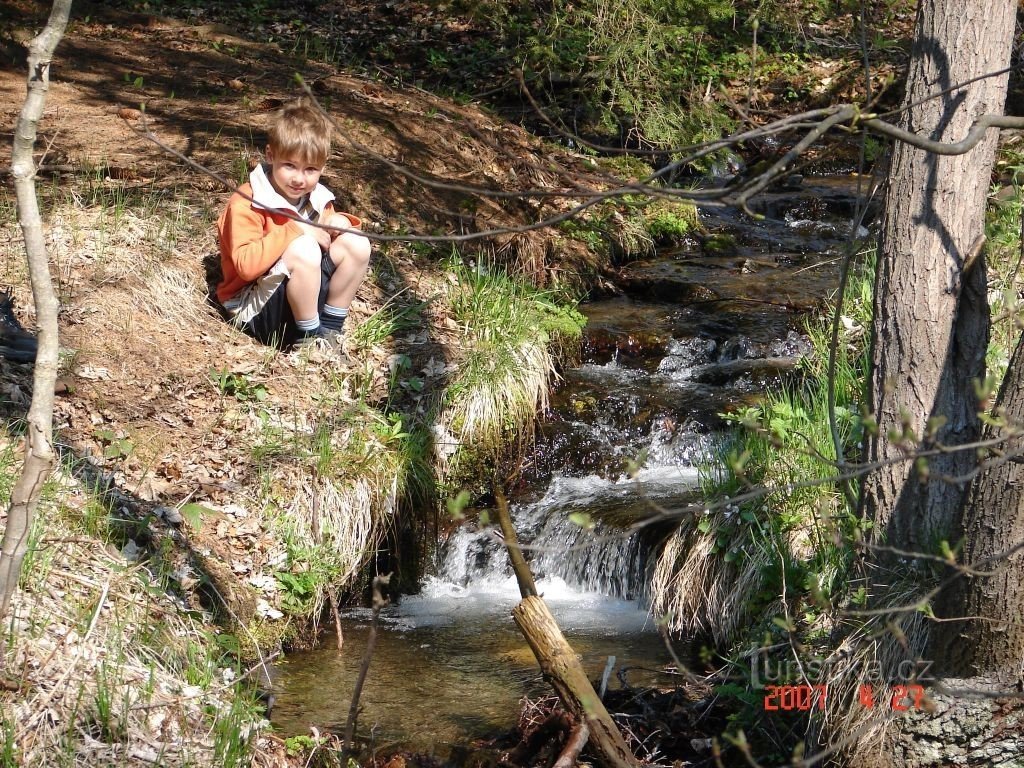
(379, 601)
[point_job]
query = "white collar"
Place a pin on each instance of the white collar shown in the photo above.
(265, 196)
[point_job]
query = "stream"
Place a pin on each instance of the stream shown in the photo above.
(698, 331)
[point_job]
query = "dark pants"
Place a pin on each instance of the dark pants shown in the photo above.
(275, 324)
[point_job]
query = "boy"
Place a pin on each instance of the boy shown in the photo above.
(287, 282)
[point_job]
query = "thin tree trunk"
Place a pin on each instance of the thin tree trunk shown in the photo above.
(39, 455)
(931, 314)
(990, 641)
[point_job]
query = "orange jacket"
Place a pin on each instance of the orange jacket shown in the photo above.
(253, 237)
(251, 241)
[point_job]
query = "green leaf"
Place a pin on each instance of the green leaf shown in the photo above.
(582, 519)
(194, 515)
(457, 505)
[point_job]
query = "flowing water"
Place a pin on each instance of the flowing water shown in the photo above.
(697, 332)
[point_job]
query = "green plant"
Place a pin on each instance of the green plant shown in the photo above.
(511, 333)
(115, 444)
(297, 591)
(231, 732)
(670, 222)
(300, 744)
(391, 319)
(237, 385)
(9, 749)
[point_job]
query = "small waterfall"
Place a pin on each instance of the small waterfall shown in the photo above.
(586, 533)
(697, 333)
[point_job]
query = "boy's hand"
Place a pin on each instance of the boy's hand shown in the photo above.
(338, 220)
(322, 236)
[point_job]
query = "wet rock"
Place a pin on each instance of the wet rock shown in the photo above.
(672, 281)
(754, 369)
(744, 348)
(739, 348)
(686, 353)
(794, 345)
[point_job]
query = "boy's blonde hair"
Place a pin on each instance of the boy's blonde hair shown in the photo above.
(300, 130)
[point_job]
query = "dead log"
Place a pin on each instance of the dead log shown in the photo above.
(562, 669)
(558, 661)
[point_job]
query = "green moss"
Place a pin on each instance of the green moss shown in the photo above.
(669, 221)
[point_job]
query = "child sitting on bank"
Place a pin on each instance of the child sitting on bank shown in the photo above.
(286, 282)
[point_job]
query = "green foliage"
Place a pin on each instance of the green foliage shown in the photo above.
(9, 747)
(115, 444)
(237, 385)
(231, 732)
(511, 333)
(669, 222)
(391, 319)
(800, 532)
(497, 311)
(299, 745)
(627, 167)
(633, 61)
(298, 591)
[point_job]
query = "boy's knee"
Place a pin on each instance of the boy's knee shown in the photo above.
(303, 253)
(350, 246)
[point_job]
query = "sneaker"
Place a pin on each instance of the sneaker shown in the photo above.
(322, 347)
(336, 341)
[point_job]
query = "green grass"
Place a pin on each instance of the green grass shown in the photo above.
(1002, 254)
(511, 334)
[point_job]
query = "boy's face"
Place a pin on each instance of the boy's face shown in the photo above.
(293, 177)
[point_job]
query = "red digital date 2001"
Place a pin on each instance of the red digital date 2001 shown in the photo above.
(794, 697)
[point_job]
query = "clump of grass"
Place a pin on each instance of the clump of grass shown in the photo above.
(510, 334)
(334, 479)
(669, 222)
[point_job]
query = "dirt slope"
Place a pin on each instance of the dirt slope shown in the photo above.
(156, 390)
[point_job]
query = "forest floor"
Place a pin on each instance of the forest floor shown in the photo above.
(157, 395)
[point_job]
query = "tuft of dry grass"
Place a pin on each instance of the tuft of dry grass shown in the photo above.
(698, 590)
(876, 653)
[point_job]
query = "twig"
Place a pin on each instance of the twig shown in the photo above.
(379, 601)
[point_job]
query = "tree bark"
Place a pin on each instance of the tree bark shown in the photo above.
(990, 641)
(931, 313)
(558, 661)
(562, 669)
(39, 455)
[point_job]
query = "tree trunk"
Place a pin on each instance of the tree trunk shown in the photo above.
(39, 456)
(991, 643)
(931, 313)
